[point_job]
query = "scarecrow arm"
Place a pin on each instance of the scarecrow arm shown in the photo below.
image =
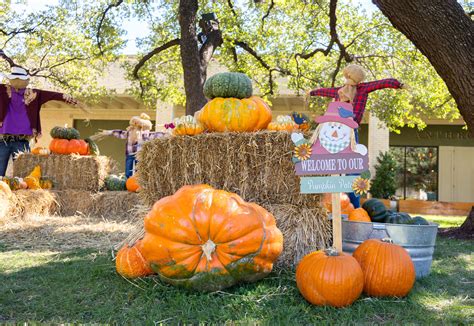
(155, 134)
(46, 96)
(121, 134)
(380, 84)
(325, 92)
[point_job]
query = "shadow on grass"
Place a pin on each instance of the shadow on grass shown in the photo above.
(82, 286)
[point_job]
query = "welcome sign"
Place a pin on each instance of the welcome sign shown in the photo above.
(347, 163)
(320, 185)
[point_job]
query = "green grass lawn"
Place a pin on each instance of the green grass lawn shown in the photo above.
(82, 286)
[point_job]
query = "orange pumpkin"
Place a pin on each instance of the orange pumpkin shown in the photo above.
(388, 268)
(132, 184)
(283, 123)
(77, 146)
(187, 125)
(59, 146)
(130, 262)
(359, 215)
(329, 278)
(233, 114)
(209, 239)
(346, 206)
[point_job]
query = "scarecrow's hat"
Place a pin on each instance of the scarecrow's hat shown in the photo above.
(339, 112)
(18, 73)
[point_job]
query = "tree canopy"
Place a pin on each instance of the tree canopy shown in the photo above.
(306, 42)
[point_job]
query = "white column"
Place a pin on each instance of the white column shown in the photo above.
(164, 114)
(378, 141)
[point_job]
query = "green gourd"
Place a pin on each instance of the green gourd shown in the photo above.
(115, 183)
(398, 218)
(93, 148)
(376, 210)
(418, 220)
(228, 84)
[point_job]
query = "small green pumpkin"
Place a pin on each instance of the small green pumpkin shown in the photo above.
(64, 133)
(398, 218)
(115, 183)
(376, 210)
(93, 148)
(418, 220)
(228, 84)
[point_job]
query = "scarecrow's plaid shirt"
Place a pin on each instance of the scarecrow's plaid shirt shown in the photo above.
(362, 94)
(133, 148)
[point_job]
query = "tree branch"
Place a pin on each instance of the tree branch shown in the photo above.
(272, 4)
(334, 37)
(153, 52)
(231, 6)
(34, 72)
(99, 27)
(8, 59)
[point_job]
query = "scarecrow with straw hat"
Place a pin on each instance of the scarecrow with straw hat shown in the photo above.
(355, 93)
(137, 133)
(20, 113)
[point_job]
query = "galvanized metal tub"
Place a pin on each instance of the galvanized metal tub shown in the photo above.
(418, 240)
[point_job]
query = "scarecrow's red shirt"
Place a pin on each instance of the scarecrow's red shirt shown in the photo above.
(33, 104)
(362, 94)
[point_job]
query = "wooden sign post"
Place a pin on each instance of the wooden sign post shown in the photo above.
(333, 153)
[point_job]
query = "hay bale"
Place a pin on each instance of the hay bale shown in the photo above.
(256, 165)
(113, 205)
(67, 171)
(304, 230)
(26, 203)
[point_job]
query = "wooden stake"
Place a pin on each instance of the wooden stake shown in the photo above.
(336, 221)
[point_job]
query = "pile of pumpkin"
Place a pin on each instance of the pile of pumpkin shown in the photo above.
(120, 183)
(207, 239)
(233, 108)
(67, 141)
(373, 210)
(33, 181)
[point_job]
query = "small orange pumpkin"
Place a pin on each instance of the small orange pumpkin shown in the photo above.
(59, 146)
(329, 278)
(130, 262)
(208, 239)
(187, 125)
(77, 146)
(388, 268)
(132, 184)
(346, 205)
(359, 215)
(283, 123)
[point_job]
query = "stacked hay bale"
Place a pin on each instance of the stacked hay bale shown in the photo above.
(255, 165)
(67, 171)
(22, 204)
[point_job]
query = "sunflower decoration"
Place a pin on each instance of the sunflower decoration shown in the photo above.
(303, 152)
(361, 186)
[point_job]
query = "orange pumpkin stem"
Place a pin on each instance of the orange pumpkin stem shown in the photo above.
(208, 249)
(331, 252)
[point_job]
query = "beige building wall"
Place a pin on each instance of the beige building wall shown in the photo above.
(456, 174)
(379, 137)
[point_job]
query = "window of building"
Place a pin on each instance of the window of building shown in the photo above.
(417, 172)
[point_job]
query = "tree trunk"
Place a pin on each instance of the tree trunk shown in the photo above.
(444, 33)
(468, 226)
(193, 76)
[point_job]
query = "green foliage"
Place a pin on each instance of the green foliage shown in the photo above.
(279, 36)
(384, 182)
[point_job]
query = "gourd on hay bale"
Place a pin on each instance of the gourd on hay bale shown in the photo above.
(67, 171)
(257, 166)
(25, 203)
(115, 205)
